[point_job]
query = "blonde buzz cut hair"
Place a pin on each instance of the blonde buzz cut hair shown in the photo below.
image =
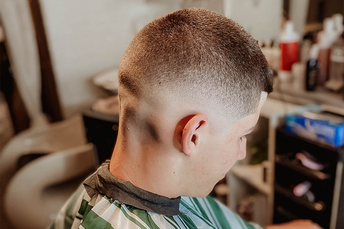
(197, 51)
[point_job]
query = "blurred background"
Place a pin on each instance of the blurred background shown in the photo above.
(59, 109)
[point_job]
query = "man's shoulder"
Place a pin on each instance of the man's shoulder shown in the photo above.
(103, 212)
(206, 206)
(215, 212)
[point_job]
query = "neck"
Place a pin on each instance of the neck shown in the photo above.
(146, 165)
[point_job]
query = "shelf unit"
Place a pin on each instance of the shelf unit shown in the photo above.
(327, 209)
(289, 195)
(320, 96)
(297, 167)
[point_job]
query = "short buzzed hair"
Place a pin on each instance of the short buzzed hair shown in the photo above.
(201, 52)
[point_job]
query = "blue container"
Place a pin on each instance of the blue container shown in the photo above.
(324, 131)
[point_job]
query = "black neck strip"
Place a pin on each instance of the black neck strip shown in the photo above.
(104, 183)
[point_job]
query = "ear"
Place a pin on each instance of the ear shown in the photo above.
(190, 133)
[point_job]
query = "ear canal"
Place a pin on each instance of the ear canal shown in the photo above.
(193, 139)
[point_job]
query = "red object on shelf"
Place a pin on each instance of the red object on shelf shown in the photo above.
(289, 55)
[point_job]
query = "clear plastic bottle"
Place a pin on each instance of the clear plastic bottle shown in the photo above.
(298, 71)
(336, 82)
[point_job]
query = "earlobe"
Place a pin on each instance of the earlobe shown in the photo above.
(190, 135)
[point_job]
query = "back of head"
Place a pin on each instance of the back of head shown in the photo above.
(196, 55)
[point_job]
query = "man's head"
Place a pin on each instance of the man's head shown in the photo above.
(197, 53)
(191, 83)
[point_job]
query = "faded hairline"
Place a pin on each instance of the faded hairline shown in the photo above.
(195, 52)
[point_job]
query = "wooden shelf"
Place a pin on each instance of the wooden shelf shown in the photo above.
(253, 175)
(320, 96)
(298, 200)
(297, 167)
(285, 213)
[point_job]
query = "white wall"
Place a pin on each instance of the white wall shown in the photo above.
(261, 18)
(298, 14)
(86, 37)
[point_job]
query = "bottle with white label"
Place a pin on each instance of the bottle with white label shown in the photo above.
(336, 81)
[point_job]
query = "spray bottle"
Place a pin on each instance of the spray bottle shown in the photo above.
(289, 44)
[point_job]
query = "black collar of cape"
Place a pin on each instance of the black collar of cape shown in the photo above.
(104, 183)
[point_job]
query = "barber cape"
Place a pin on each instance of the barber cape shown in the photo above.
(103, 201)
